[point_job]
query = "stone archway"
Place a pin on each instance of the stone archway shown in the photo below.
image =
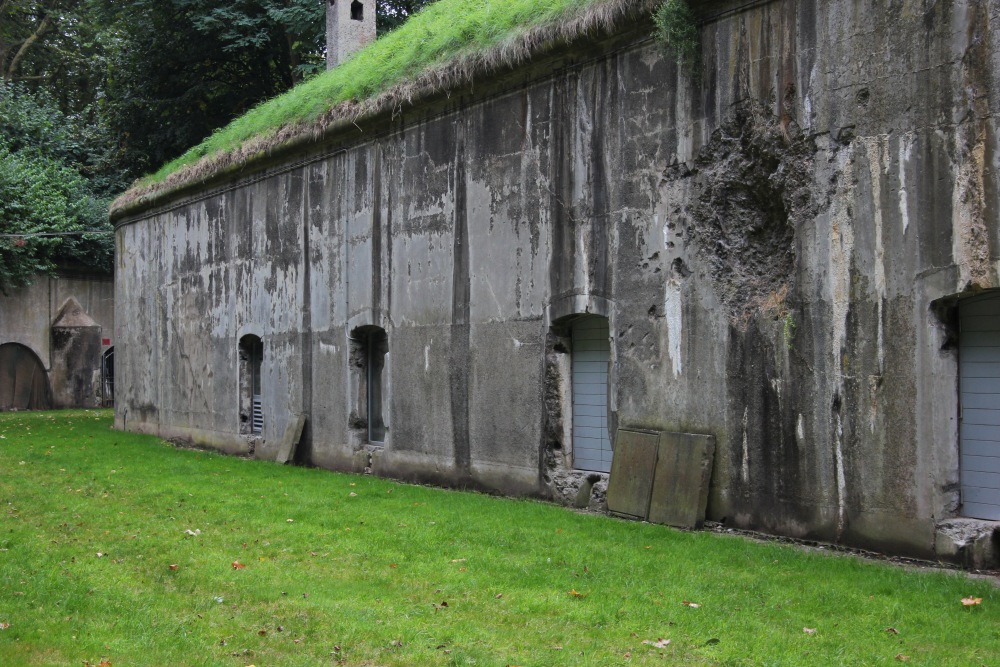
(24, 384)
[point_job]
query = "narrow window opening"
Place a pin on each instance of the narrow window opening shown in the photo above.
(108, 377)
(357, 11)
(377, 347)
(251, 354)
(369, 347)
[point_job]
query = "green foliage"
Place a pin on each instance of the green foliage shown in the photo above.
(179, 69)
(355, 570)
(677, 30)
(439, 33)
(44, 157)
(53, 45)
(394, 13)
(788, 329)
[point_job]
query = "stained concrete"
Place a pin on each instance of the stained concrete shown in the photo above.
(771, 243)
(67, 321)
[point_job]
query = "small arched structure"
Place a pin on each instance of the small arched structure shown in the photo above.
(24, 384)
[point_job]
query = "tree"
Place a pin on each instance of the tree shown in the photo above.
(180, 69)
(44, 156)
(393, 13)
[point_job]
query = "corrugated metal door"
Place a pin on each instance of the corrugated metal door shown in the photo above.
(591, 355)
(979, 363)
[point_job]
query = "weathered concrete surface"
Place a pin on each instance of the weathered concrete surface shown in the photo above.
(630, 484)
(773, 247)
(27, 316)
(683, 473)
(76, 346)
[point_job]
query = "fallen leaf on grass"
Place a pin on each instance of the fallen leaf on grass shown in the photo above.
(262, 633)
(193, 533)
(290, 520)
(628, 654)
(574, 593)
(353, 495)
(172, 567)
(238, 565)
(458, 560)
(693, 605)
(392, 565)
(498, 596)
(659, 643)
(969, 602)
(892, 631)
(4, 626)
(809, 631)
(902, 658)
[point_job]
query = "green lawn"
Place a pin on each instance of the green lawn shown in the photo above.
(339, 569)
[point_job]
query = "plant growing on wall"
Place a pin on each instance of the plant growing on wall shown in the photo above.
(677, 30)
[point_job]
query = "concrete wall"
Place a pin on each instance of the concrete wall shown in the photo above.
(26, 318)
(777, 247)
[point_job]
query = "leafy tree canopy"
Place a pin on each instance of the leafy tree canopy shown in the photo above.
(44, 190)
(393, 13)
(94, 93)
(179, 69)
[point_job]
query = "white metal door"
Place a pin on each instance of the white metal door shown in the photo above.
(979, 373)
(591, 355)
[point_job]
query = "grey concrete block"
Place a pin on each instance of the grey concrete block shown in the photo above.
(680, 483)
(290, 439)
(632, 471)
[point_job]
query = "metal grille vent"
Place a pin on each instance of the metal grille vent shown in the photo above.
(257, 422)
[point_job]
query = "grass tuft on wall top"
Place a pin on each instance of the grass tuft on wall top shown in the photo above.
(443, 45)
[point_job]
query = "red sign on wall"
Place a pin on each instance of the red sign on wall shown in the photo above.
(105, 341)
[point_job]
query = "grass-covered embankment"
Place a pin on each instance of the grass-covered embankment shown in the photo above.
(294, 566)
(444, 44)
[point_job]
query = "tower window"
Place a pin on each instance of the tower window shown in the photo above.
(357, 11)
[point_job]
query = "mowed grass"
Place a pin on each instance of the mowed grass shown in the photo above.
(341, 569)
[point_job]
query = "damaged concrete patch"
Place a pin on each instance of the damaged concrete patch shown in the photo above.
(972, 542)
(751, 188)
